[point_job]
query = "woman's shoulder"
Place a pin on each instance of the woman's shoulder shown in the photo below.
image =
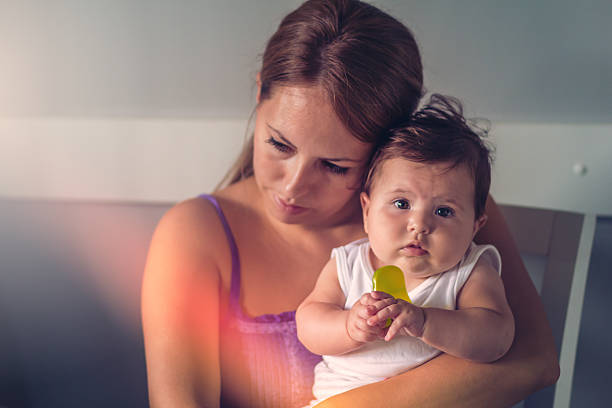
(200, 217)
(194, 217)
(196, 226)
(189, 241)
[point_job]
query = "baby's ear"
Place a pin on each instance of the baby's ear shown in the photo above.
(365, 207)
(479, 223)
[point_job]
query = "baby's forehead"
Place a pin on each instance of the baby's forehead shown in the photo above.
(400, 174)
(398, 167)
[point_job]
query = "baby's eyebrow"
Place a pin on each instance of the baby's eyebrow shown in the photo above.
(400, 191)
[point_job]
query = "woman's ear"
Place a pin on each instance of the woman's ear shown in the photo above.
(258, 82)
(479, 223)
(365, 208)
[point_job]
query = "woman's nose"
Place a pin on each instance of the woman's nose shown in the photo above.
(297, 180)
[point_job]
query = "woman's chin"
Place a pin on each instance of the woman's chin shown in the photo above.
(289, 214)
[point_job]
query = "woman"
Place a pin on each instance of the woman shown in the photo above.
(225, 273)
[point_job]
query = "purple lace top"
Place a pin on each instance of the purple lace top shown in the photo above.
(280, 368)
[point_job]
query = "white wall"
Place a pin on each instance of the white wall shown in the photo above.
(556, 166)
(115, 159)
(511, 61)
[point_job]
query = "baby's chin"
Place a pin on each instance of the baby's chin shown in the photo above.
(420, 268)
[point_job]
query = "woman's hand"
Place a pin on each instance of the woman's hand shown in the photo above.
(357, 322)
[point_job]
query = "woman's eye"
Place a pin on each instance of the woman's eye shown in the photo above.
(401, 204)
(444, 212)
(335, 168)
(281, 147)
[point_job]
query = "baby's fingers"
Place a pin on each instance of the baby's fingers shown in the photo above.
(378, 295)
(366, 300)
(388, 312)
(365, 312)
(380, 319)
(395, 327)
(384, 303)
(360, 331)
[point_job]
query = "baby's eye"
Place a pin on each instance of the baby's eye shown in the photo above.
(445, 212)
(401, 204)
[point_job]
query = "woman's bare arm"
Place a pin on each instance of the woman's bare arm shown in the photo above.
(180, 309)
(531, 363)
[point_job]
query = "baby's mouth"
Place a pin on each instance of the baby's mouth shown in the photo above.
(414, 249)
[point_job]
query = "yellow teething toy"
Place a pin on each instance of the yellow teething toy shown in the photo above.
(390, 279)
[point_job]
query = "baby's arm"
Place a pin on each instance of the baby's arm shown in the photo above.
(323, 325)
(481, 329)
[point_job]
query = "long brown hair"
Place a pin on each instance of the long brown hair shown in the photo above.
(368, 63)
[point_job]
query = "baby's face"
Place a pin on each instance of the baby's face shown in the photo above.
(420, 217)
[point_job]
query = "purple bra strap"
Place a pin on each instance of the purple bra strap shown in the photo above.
(235, 284)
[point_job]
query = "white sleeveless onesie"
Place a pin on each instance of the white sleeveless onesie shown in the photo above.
(378, 360)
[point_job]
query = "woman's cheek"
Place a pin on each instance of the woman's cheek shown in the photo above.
(352, 181)
(266, 165)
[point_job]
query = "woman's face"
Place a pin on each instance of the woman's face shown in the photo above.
(307, 165)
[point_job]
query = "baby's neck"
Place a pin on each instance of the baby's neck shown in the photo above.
(411, 282)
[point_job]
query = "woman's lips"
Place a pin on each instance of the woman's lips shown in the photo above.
(288, 208)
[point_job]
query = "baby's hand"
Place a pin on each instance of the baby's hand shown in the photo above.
(405, 316)
(366, 307)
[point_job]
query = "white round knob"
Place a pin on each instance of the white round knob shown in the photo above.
(579, 169)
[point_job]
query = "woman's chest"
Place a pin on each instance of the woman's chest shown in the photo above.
(280, 264)
(275, 279)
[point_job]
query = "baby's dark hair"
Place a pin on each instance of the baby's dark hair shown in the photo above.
(439, 133)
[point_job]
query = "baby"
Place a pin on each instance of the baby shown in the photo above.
(423, 202)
